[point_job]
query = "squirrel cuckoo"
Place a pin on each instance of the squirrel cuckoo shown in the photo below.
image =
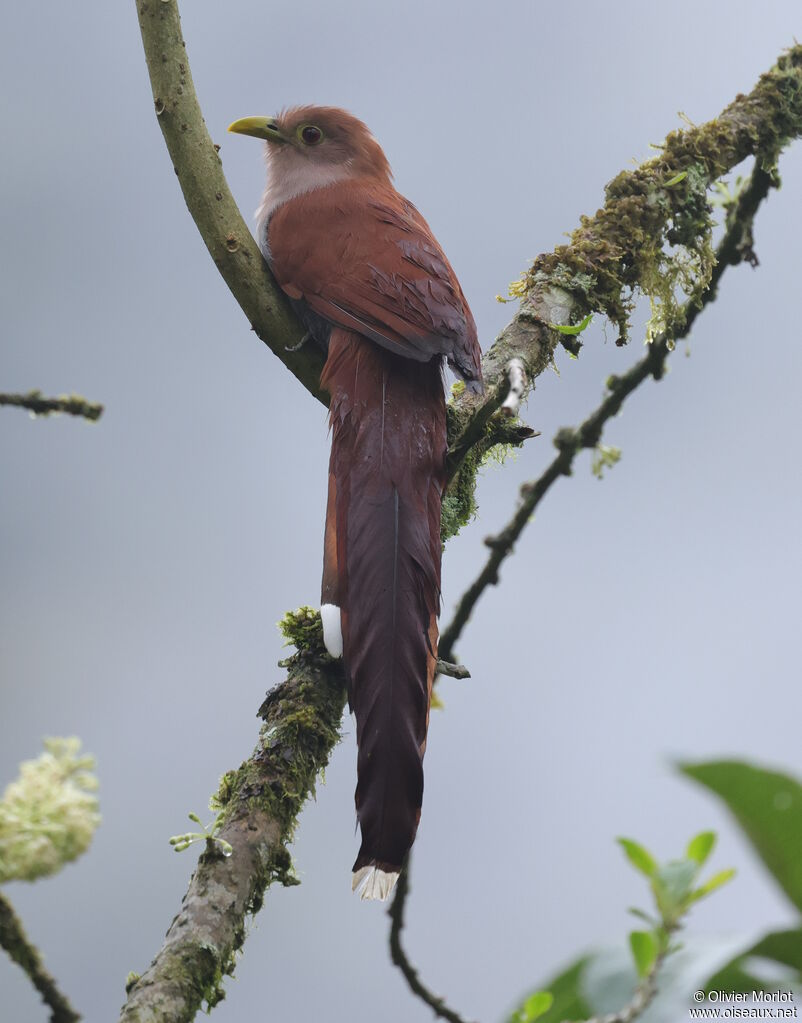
(365, 274)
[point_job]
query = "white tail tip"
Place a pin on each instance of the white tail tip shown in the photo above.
(373, 883)
(332, 629)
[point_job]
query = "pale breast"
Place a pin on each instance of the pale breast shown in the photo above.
(287, 179)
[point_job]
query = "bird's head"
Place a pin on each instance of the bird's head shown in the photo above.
(324, 138)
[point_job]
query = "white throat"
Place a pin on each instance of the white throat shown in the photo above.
(288, 178)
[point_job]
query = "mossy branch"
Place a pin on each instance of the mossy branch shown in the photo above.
(17, 944)
(652, 236)
(653, 233)
(735, 247)
(70, 404)
(259, 805)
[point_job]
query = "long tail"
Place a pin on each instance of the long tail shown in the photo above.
(382, 570)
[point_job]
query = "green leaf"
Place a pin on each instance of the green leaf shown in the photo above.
(639, 913)
(644, 950)
(676, 179)
(672, 885)
(755, 969)
(573, 330)
(700, 847)
(601, 983)
(640, 858)
(536, 1005)
(768, 807)
(610, 977)
(716, 881)
(565, 989)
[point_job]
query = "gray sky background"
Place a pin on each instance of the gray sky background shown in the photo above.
(145, 560)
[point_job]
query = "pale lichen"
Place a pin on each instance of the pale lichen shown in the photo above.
(653, 234)
(604, 457)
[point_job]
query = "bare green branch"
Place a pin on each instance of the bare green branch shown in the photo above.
(207, 195)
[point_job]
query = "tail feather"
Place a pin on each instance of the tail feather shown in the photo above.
(386, 476)
(374, 883)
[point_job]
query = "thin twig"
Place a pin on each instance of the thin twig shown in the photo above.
(71, 404)
(16, 942)
(569, 442)
(490, 419)
(452, 670)
(640, 1001)
(399, 956)
(645, 991)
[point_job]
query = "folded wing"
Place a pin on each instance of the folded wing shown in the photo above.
(372, 265)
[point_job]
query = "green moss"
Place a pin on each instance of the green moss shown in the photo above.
(303, 629)
(649, 237)
(224, 792)
(199, 969)
(301, 726)
(459, 501)
(653, 235)
(501, 436)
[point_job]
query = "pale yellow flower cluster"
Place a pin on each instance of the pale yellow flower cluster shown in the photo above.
(49, 814)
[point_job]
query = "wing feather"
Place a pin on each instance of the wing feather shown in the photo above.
(379, 271)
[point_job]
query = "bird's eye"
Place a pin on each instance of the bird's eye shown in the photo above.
(311, 135)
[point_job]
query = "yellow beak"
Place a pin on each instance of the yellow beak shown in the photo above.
(260, 127)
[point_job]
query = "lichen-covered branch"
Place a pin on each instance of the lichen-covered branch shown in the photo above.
(735, 247)
(652, 236)
(396, 913)
(259, 804)
(71, 404)
(17, 944)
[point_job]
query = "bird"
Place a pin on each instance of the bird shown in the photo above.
(373, 287)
